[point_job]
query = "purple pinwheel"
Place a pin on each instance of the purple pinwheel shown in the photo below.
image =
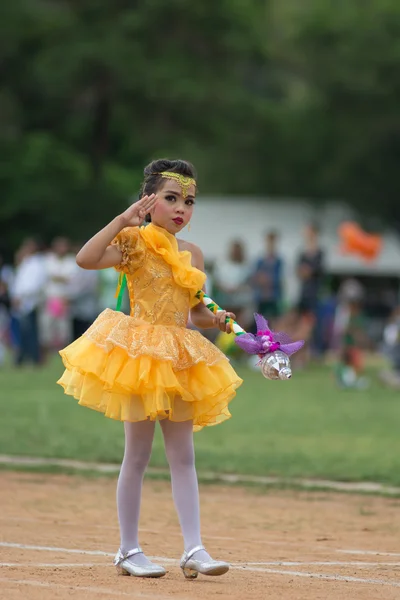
(266, 341)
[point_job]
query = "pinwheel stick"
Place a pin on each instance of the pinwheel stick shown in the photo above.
(273, 348)
(213, 306)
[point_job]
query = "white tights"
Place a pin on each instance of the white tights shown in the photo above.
(178, 440)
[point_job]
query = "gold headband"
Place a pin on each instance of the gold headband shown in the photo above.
(184, 181)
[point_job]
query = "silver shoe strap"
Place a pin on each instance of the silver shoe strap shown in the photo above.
(124, 556)
(193, 551)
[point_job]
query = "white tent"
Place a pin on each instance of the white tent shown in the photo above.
(219, 220)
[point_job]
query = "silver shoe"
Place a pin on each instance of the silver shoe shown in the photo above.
(192, 567)
(125, 567)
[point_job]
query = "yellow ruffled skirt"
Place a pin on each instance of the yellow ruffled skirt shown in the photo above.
(131, 370)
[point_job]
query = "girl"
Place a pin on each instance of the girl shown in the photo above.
(148, 366)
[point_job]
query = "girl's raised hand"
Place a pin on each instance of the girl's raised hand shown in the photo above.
(135, 214)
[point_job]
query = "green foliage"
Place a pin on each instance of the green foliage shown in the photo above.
(345, 58)
(272, 97)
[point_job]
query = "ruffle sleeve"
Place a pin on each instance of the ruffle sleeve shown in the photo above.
(132, 248)
(164, 244)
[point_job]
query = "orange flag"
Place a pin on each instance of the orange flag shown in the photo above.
(355, 240)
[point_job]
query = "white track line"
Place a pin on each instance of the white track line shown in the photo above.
(369, 552)
(323, 576)
(317, 548)
(282, 563)
(54, 565)
(229, 478)
(234, 564)
(52, 549)
(236, 567)
(78, 588)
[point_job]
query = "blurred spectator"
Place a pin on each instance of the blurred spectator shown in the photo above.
(266, 280)
(4, 320)
(56, 318)
(83, 295)
(310, 270)
(326, 319)
(391, 337)
(353, 338)
(231, 281)
(232, 291)
(349, 290)
(27, 295)
(6, 275)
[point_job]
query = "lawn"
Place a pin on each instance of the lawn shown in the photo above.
(304, 427)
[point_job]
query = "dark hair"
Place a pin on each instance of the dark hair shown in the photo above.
(153, 180)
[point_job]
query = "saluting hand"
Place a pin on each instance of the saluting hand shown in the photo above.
(135, 214)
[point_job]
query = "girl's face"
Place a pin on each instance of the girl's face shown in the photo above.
(172, 211)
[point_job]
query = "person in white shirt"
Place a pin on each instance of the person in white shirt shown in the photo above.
(56, 318)
(84, 301)
(27, 295)
(6, 277)
(231, 278)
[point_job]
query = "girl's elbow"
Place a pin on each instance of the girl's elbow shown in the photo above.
(82, 262)
(194, 318)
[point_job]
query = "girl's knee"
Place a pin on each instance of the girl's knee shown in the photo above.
(178, 441)
(137, 461)
(180, 457)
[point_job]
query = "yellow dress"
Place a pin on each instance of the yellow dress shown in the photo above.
(149, 365)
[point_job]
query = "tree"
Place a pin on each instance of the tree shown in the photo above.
(94, 92)
(346, 57)
(265, 97)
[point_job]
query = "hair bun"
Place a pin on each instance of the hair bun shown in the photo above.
(158, 166)
(175, 166)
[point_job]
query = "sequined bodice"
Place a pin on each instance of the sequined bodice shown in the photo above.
(162, 281)
(154, 295)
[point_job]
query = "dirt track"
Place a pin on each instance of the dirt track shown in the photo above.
(308, 546)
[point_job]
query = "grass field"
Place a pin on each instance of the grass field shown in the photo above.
(305, 427)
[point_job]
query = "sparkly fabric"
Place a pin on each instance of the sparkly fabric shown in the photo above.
(182, 347)
(132, 248)
(148, 364)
